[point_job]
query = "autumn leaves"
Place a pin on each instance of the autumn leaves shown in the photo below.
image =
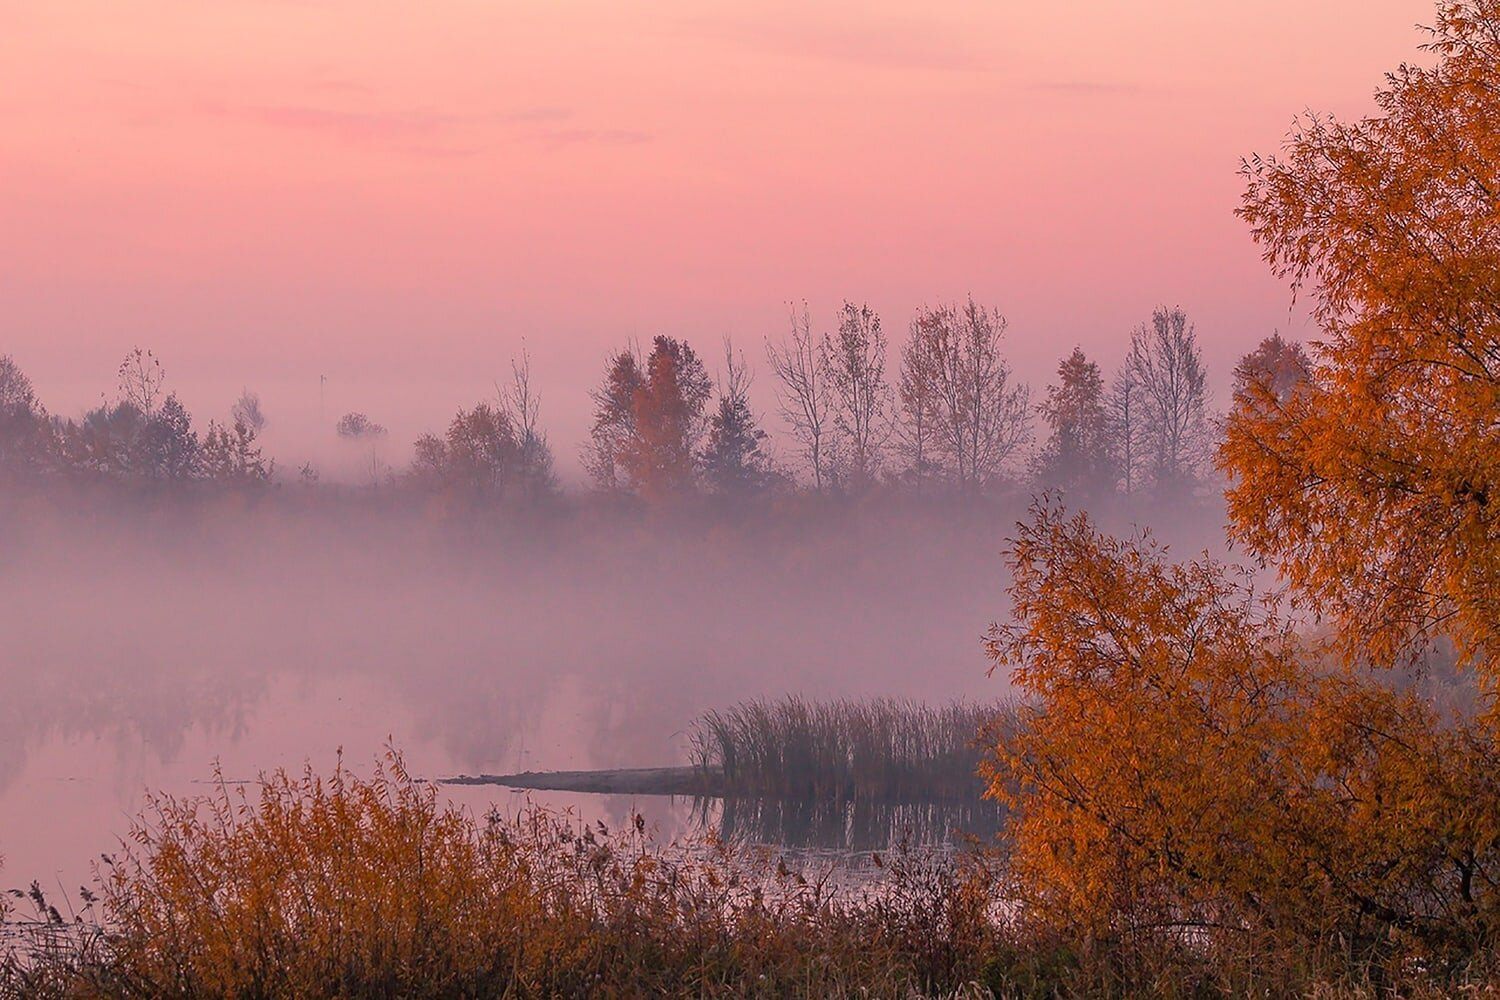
(1191, 764)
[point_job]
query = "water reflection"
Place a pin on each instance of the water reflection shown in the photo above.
(131, 702)
(847, 826)
(843, 828)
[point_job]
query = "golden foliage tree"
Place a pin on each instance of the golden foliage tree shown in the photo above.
(1186, 767)
(1183, 765)
(1375, 487)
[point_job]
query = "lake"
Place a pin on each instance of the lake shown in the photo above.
(137, 655)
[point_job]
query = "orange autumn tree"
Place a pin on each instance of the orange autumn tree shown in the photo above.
(1375, 486)
(1181, 764)
(1184, 767)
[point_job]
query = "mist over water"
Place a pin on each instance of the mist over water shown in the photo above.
(146, 640)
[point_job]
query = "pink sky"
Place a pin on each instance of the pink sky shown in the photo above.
(397, 193)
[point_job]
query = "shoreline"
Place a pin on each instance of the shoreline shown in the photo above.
(683, 780)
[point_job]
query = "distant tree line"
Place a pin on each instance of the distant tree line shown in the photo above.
(142, 436)
(950, 418)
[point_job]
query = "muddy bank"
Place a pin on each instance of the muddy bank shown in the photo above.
(619, 781)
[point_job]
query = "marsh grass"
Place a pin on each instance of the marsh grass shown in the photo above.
(872, 750)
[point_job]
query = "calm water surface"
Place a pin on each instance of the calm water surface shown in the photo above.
(128, 667)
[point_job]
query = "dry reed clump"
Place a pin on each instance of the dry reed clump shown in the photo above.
(882, 749)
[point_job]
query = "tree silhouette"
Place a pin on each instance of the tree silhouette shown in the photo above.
(26, 439)
(247, 410)
(804, 394)
(614, 422)
(979, 414)
(648, 422)
(668, 421)
(733, 462)
(1165, 365)
(168, 445)
(140, 380)
(853, 362)
(1076, 454)
(358, 427)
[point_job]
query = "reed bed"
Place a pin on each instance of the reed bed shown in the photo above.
(874, 750)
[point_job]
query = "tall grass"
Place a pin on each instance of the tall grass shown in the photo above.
(881, 750)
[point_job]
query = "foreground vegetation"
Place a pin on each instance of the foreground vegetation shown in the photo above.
(351, 887)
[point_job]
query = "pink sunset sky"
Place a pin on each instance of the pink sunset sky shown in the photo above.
(396, 194)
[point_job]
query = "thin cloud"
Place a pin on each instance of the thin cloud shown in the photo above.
(537, 115)
(427, 132)
(1085, 88)
(594, 136)
(895, 44)
(442, 152)
(329, 84)
(361, 126)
